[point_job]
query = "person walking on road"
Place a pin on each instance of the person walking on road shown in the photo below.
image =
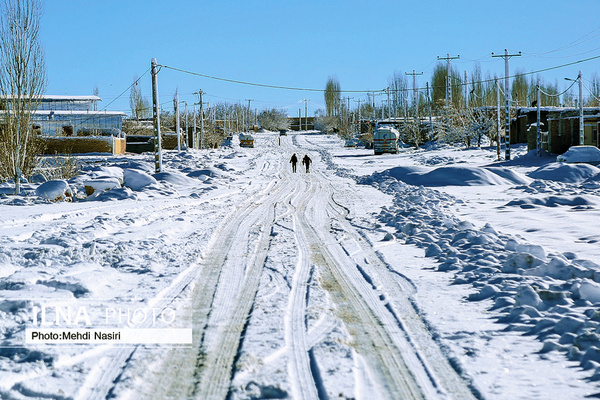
(306, 161)
(294, 161)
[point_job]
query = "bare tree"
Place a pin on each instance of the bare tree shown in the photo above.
(274, 119)
(332, 96)
(400, 91)
(466, 125)
(22, 82)
(140, 107)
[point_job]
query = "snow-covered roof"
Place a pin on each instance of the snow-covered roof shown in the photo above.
(57, 97)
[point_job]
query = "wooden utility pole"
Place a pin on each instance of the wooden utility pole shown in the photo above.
(156, 119)
(506, 57)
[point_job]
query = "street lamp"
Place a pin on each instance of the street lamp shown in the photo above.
(581, 132)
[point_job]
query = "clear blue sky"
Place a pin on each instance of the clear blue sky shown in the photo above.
(301, 43)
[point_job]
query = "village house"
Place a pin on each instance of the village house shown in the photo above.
(559, 127)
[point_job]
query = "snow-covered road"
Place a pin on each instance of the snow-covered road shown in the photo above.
(302, 217)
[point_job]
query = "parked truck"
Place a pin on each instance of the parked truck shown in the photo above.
(246, 140)
(385, 140)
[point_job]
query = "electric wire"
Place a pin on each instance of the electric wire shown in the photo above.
(558, 94)
(263, 84)
(378, 91)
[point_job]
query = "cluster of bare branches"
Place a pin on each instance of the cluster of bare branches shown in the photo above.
(274, 120)
(466, 125)
(58, 167)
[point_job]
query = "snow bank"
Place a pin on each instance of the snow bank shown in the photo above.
(455, 176)
(106, 172)
(100, 185)
(554, 201)
(137, 180)
(55, 190)
(554, 296)
(176, 178)
(568, 173)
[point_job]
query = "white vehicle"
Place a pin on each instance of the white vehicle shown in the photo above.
(581, 154)
(385, 140)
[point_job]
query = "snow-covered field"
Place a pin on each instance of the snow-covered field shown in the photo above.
(434, 273)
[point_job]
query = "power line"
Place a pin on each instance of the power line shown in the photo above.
(348, 91)
(262, 84)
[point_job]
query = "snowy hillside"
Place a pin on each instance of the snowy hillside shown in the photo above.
(437, 273)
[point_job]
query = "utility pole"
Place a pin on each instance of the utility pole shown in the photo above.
(156, 119)
(358, 113)
(449, 76)
(388, 103)
(466, 90)
(177, 126)
(249, 112)
(200, 93)
(538, 144)
(430, 118)
(498, 124)
(187, 124)
(506, 57)
(194, 133)
(416, 99)
(373, 109)
(305, 115)
(349, 118)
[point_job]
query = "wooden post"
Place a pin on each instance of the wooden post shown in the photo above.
(156, 120)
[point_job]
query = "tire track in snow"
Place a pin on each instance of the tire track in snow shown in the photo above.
(299, 364)
(368, 321)
(232, 304)
(372, 277)
(394, 288)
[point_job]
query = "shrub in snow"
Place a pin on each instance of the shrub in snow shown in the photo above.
(137, 180)
(520, 261)
(552, 297)
(100, 185)
(55, 190)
